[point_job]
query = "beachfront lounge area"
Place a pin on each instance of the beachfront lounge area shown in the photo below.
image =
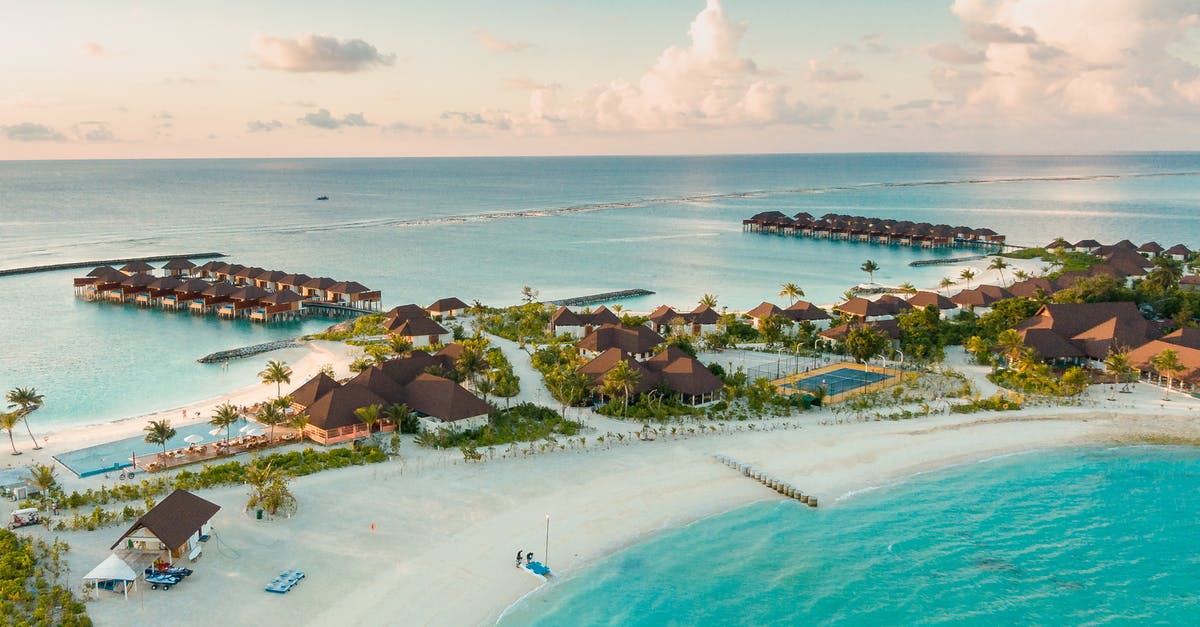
(205, 452)
(224, 289)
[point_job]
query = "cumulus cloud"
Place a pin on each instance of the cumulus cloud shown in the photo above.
(524, 83)
(491, 42)
(1081, 58)
(93, 131)
(322, 118)
(828, 73)
(308, 52)
(955, 54)
(31, 132)
(264, 126)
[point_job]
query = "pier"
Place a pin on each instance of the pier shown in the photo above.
(868, 230)
(778, 485)
(104, 262)
(600, 298)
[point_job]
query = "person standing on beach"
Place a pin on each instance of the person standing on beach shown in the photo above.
(519, 552)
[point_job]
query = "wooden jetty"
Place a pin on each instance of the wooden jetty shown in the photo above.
(868, 230)
(104, 262)
(778, 485)
(600, 298)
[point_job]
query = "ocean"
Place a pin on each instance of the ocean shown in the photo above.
(480, 229)
(1084, 536)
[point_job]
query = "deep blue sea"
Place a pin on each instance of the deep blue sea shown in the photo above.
(421, 229)
(1066, 537)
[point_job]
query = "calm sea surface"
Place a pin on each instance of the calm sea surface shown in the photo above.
(421, 229)
(1076, 537)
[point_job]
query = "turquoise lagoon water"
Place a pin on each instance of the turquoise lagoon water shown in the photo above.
(1077, 537)
(421, 229)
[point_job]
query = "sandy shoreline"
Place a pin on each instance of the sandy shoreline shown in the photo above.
(433, 539)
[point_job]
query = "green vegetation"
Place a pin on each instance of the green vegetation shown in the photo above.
(520, 323)
(524, 422)
(33, 588)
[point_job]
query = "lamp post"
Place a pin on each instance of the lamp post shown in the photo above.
(546, 553)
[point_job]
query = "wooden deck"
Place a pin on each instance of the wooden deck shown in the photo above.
(207, 452)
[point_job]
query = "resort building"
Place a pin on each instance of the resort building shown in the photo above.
(1150, 249)
(1035, 287)
(889, 328)
(863, 309)
(420, 332)
(763, 311)
(1141, 359)
(1178, 252)
(178, 267)
(873, 230)
(1190, 283)
(331, 419)
(580, 324)
(172, 529)
(637, 341)
(1086, 246)
(447, 307)
(921, 300)
(676, 371)
(1078, 332)
(804, 311)
(701, 320)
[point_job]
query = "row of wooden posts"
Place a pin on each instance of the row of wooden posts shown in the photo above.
(774, 483)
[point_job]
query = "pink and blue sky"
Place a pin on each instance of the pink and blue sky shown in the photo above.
(125, 79)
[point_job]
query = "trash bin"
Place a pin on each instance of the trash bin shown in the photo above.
(258, 515)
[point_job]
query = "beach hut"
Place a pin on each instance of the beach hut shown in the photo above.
(702, 320)
(422, 332)
(283, 303)
(1150, 249)
(638, 341)
(599, 366)
(136, 267)
(925, 299)
(1178, 252)
(172, 529)
(660, 319)
(446, 307)
(112, 574)
(803, 310)
(862, 308)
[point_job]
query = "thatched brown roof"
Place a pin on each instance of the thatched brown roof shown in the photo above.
(764, 310)
(864, 308)
(599, 366)
(136, 267)
(103, 272)
(178, 264)
(703, 314)
(295, 280)
(175, 519)
(803, 310)
(192, 285)
(405, 312)
(1150, 247)
(1029, 287)
(565, 318)
(1049, 344)
(1093, 328)
(636, 340)
(311, 390)
(1189, 358)
(683, 373)
(219, 289)
(663, 315)
(446, 305)
(140, 279)
(165, 283)
(319, 283)
(443, 399)
(1178, 249)
(336, 407)
(377, 381)
(418, 327)
(406, 368)
(925, 299)
(282, 297)
(348, 287)
(1186, 336)
(249, 292)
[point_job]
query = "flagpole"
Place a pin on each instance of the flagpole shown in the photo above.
(546, 553)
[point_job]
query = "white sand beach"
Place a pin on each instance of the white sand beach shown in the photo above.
(428, 539)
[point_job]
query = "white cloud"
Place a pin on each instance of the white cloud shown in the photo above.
(828, 73)
(308, 52)
(263, 126)
(491, 42)
(955, 54)
(322, 118)
(1079, 58)
(31, 132)
(93, 131)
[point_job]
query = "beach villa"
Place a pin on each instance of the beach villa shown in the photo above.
(580, 324)
(696, 323)
(421, 332)
(683, 375)
(638, 341)
(1079, 332)
(172, 529)
(446, 307)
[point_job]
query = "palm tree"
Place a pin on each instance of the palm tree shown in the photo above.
(622, 378)
(908, 288)
(399, 345)
(398, 414)
(270, 415)
(369, 415)
(1117, 364)
(8, 422)
(978, 347)
(159, 432)
(471, 362)
(269, 489)
(298, 422)
(945, 283)
(276, 372)
(224, 416)
(1167, 364)
(870, 267)
(1020, 275)
(43, 477)
(998, 264)
(27, 401)
(1010, 344)
(791, 291)
(967, 274)
(709, 300)
(485, 386)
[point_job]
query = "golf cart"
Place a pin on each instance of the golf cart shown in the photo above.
(25, 517)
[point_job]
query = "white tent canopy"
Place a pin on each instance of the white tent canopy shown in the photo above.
(113, 569)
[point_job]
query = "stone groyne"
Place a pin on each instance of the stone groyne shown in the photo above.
(600, 298)
(778, 485)
(103, 262)
(248, 351)
(944, 262)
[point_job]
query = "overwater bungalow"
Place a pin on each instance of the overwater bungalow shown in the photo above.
(268, 279)
(212, 296)
(293, 282)
(90, 286)
(131, 286)
(354, 294)
(187, 291)
(873, 230)
(241, 301)
(227, 271)
(245, 276)
(136, 267)
(207, 269)
(178, 267)
(317, 287)
(281, 305)
(159, 288)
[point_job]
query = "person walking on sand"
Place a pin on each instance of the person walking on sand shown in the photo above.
(519, 552)
(529, 557)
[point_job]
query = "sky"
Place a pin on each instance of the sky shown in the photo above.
(359, 78)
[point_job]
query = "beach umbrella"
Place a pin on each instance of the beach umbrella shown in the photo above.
(194, 438)
(217, 431)
(245, 428)
(255, 432)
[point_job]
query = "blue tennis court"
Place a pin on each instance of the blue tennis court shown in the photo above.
(116, 456)
(839, 380)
